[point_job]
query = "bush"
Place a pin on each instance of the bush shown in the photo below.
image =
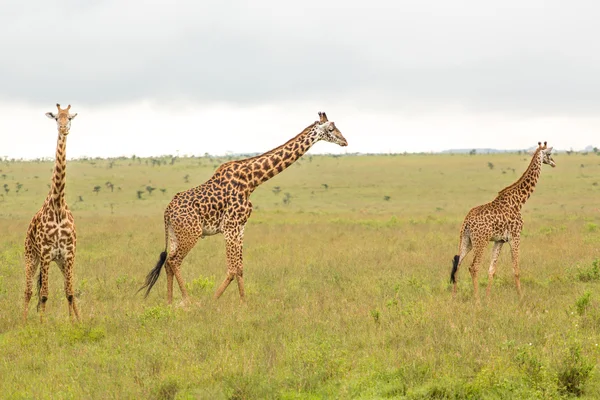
(574, 371)
(590, 274)
(583, 302)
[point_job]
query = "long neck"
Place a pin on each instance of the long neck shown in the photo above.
(518, 193)
(57, 190)
(269, 164)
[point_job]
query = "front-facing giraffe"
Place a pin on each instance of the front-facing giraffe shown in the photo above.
(222, 205)
(499, 221)
(51, 234)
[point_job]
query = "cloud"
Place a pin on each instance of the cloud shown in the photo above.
(534, 57)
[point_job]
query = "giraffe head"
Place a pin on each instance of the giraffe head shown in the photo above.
(63, 119)
(328, 131)
(546, 154)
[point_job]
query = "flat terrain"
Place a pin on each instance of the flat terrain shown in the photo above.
(347, 264)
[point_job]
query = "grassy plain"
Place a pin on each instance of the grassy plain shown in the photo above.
(347, 263)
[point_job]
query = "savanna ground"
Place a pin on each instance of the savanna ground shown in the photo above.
(347, 264)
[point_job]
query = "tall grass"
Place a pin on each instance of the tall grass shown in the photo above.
(348, 291)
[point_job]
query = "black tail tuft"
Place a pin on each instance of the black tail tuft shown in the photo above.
(39, 289)
(153, 275)
(454, 268)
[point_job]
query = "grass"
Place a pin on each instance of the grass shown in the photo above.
(347, 283)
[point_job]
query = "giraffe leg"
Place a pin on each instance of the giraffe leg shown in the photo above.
(514, 247)
(69, 291)
(465, 248)
(234, 243)
(169, 283)
(173, 264)
(31, 266)
(43, 286)
(492, 270)
(474, 269)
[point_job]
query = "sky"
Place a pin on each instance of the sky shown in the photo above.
(220, 77)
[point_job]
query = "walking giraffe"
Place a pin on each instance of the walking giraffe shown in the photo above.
(51, 234)
(499, 221)
(222, 205)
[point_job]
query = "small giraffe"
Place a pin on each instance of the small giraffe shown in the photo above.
(222, 205)
(51, 234)
(499, 221)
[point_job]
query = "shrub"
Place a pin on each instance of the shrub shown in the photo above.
(589, 274)
(574, 371)
(583, 302)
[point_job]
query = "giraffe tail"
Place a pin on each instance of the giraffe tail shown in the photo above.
(454, 268)
(153, 275)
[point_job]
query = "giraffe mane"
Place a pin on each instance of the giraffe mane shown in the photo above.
(304, 131)
(518, 181)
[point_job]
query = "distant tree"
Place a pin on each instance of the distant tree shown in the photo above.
(472, 152)
(4, 176)
(80, 198)
(287, 198)
(163, 190)
(6, 189)
(97, 189)
(150, 189)
(326, 186)
(110, 186)
(18, 187)
(186, 179)
(139, 194)
(276, 189)
(386, 198)
(490, 165)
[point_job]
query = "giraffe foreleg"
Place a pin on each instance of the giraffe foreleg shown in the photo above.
(234, 243)
(31, 266)
(492, 270)
(514, 247)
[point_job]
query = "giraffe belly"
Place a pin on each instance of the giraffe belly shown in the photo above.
(209, 230)
(501, 236)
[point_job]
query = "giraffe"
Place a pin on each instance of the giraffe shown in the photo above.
(222, 205)
(499, 221)
(51, 234)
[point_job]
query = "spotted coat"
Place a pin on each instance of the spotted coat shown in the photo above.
(499, 221)
(222, 205)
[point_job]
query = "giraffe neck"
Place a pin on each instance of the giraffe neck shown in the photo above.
(269, 164)
(518, 193)
(57, 189)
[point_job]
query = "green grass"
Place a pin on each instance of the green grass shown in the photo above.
(347, 285)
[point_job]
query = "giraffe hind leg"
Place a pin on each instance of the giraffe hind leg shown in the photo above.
(464, 248)
(474, 269)
(31, 266)
(67, 269)
(43, 287)
(492, 270)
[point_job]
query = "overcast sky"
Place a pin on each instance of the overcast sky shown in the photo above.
(150, 78)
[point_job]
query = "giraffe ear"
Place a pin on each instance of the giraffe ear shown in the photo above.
(549, 150)
(322, 117)
(50, 115)
(72, 116)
